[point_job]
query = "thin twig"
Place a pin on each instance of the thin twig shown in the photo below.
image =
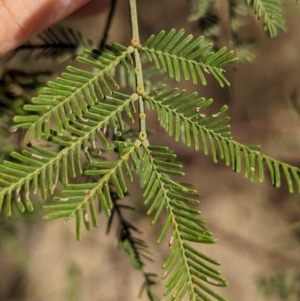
(108, 24)
(135, 42)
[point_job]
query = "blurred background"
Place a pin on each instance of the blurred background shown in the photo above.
(257, 225)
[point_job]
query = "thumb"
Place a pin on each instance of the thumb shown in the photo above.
(20, 20)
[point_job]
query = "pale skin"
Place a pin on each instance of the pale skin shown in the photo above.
(22, 19)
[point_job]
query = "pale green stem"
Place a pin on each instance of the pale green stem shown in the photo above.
(134, 20)
(135, 42)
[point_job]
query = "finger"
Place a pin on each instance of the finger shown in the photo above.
(22, 19)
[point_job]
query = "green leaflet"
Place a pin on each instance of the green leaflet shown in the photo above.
(189, 121)
(42, 168)
(186, 269)
(270, 11)
(178, 56)
(79, 199)
(71, 94)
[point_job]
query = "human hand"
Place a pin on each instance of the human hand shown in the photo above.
(22, 19)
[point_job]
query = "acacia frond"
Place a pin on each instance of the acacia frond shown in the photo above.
(186, 269)
(184, 113)
(136, 248)
(271, 12)
(79, 199)
(174, 56)
(42, 168)
(70, 95)
(137, 251)
(56, 42)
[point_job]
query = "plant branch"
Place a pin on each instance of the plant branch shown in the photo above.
(135, 42)
(108, 24)
(134, 20)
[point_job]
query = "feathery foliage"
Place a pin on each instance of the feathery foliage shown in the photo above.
(181, 115)
(185, 267)
(135, 247)
(57, 42)
(174, 56)
(78, 126)
(77, 198)
(207, 14)
(42, 167)
(271, 13)
(70, 95)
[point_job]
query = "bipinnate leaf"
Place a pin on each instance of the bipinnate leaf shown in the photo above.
(187, 270)
(78, 200)
(136, 248)
(40, 168)
(186, 57)
(270, 11)
(183, 116)
(57, 42)
(71, 95)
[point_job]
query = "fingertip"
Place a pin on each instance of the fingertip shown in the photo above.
(20, 20)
